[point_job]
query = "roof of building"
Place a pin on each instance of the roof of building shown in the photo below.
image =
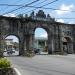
(41, 38)
(9, 39)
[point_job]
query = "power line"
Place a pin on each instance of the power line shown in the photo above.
(37, 4)
(49, 8)
(27, 5)
(34, 7)
(20, 7)
(40, 6)
(24, 5)
(49, 3)
(6, 5)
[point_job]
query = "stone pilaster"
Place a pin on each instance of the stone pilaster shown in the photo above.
(21, 45)
(1, 40)
(50, 44)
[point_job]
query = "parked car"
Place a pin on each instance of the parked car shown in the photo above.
(5, 50)
(37, 50)
(13, 50)
(10, 51)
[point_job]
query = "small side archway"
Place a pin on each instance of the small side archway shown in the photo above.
(67, 45)
(12, 42)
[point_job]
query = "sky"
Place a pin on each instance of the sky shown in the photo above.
(68, 5)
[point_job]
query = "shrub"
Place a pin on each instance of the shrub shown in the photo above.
(29, 53)
(5, 67)
(4, 63)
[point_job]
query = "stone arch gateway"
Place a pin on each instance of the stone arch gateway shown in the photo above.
(24, 29)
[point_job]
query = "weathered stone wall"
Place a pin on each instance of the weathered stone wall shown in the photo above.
(24, 29)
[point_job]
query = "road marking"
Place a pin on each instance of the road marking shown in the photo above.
(17, 71)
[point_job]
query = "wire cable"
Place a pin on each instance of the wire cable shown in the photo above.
(36, 4)
(20, 7)
(24, 5)
(7, 5)
(40, 6)
(35, 7)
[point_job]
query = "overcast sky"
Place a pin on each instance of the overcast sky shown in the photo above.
(68, 5)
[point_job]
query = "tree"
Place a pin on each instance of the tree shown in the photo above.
(32, 14)
(41, 14)
(20, 16)
(48, 16)
(26, 15)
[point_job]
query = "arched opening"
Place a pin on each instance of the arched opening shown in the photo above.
(11, 45)
(67, 45)
(41, 41)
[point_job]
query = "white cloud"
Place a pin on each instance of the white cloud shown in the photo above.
(44, 35)
(71, 22)
(10, 15)
(64, 7)
(60, 20)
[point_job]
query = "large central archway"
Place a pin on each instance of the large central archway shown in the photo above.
(41, 41)
(48, 45)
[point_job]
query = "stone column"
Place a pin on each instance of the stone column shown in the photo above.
(49, 44)
(45, 43)
(1, 46)
(72, 47)
(60, 40)
(1, 40)
(29, 42)
(0, 37)
(37, 44)
(21, 46)
(0, 34)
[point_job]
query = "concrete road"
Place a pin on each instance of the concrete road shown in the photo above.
(45, 65)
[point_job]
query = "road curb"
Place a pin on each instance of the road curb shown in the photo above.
(17, 71)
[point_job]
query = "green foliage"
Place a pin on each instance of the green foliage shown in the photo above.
(4, 63)
(5, 67)
(29, 53)
(41, 14)
(20, 16)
